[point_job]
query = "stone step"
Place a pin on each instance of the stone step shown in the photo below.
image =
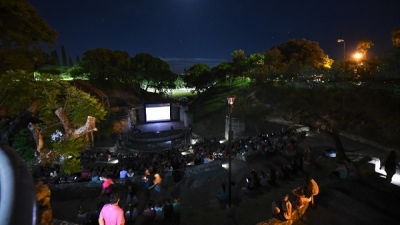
(345, 203)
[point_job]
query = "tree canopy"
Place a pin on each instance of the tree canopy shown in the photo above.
(152, 72)
(101, 64)
(303, 52)
(51, 105)
(22, 36)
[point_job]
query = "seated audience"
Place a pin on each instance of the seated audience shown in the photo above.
(123, 173)
(249, 188)
(340, 171)
(130, 173)
(222, 194)
(159, 213)
(234, 191)
(176, 205)
(83, 215)
(263, 179)
(148, 214)
(168, 211)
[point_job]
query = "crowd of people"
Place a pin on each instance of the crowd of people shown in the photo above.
(153, 166)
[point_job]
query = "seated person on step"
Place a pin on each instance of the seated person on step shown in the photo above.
(222, 194)
(301, 199)
(249, 188)
(283, 210)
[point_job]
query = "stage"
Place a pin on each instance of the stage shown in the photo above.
(159, 126)
(159, 132)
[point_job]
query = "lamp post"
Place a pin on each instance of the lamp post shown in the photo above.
(344, 48)
(230, 99)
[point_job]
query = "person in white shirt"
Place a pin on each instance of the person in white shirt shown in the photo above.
(130, 173)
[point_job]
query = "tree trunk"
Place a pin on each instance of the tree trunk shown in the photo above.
(87, 128)
(38, 138)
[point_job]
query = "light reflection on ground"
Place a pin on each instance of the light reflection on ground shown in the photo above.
(396, 177)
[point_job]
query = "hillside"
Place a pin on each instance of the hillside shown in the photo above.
(117, 95)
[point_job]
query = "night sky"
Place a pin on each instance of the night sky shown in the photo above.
(186, 32)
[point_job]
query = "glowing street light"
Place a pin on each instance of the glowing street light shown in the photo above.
(358, 56)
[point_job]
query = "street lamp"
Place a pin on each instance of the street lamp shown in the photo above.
(344, 48)
(357, 56)
(230, 99)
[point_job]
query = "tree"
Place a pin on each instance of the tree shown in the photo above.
(198, 77)
(70, 63)
(222, 71)
(24, 144)
(101, 65)
(179, 83)
(255, 65)
(55, 57)
(76, 113)
(304, 52)
(23, 33)
(363, 46)
(152, 72)
(274, 65)
(64, 56)
(77, 59)
(51, 105)
(390, 65)
(396, 37)
(238, 62)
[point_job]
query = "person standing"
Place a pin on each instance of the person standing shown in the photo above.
(390, 165)
(106, 186)
(112, 214)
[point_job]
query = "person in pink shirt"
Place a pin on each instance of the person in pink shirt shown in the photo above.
(112, 214)
(107, 186)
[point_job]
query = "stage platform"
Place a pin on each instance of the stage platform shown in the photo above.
(160, 126)
(158, 132)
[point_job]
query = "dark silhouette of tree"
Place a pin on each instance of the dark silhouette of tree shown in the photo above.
(199, 77)
(152, 72)
(396, 37)
(102, 64)
(56, 58)
(77, 59)
(70, 62)
(63, 56)
(23, 33)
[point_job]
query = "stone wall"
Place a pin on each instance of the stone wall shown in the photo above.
(238, 128)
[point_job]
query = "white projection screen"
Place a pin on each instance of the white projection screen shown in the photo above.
(158, 112)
